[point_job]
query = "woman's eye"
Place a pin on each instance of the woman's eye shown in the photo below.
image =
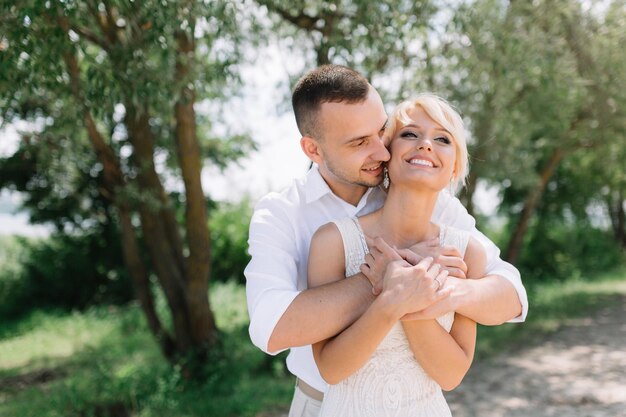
(443, 139)
(408, 134)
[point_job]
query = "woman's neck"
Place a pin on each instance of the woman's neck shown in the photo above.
(405, 218)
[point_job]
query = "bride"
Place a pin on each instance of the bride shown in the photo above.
(381, 365)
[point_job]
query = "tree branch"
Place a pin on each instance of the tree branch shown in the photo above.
(89, 35)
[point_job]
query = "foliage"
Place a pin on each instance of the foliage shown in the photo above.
(556, 251)
(65, 271)
(102, 361)
(229, 240)
(76, 270)
(387, 41)
(108, 92)
(537, 83)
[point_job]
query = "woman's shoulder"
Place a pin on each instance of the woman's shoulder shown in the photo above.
(326, 256)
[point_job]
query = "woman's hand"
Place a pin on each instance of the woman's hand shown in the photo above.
(446, 256)
(381, 255)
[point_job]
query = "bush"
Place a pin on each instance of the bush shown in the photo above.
(229, 240)
(63, 271)
(557, 251)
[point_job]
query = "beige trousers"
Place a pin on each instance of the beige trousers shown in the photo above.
(304, 406)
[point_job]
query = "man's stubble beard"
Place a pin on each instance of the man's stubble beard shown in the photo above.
(339, 174)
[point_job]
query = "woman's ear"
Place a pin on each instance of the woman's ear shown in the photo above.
(311, 149)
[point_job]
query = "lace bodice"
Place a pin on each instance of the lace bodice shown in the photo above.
(391, 383)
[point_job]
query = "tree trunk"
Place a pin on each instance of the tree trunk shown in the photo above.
(615, 204)
(184, 280)
(113, 180)
(203, 330)
(156, 213)
(530, 204)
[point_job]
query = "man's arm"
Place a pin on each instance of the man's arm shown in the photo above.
(281, 314)
(498, 297)
(490, 300)
(322, 312)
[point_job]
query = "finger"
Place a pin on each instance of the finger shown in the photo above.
(425, 263)
(369, 259)
(366, 270)
(444, 292)
(456, 272)
(377, 289)
(434, 269)
(409, 256)
(442, 277)
(451, 261)
(369, 241)
(450, 251)
(385, 249)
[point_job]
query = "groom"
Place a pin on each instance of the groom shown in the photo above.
(341, 119)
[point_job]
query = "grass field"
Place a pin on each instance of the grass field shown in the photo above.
(102, 362)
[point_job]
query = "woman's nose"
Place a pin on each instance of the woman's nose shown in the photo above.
(425, 145)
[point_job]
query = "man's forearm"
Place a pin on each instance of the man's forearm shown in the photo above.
(489, 301)
(322, 312)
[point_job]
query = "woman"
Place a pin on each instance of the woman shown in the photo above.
(380, 365)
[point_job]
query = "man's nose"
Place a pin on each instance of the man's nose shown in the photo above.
(380, 152)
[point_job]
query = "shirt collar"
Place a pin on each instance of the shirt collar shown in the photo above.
(316, 188)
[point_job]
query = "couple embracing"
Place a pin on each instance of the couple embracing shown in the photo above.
(369, 269)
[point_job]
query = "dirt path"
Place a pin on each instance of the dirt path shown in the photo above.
(578, 371)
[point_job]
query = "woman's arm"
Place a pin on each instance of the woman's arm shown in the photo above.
(340, 356)
(446, 357)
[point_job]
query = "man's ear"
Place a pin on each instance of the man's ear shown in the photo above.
(311, 149)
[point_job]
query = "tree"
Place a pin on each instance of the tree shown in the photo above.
(385, 40)
(121, 79)
(526, 78)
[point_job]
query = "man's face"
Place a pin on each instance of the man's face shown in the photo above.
(352, 147)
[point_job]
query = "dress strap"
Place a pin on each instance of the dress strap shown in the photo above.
(451, 236)
(354, 244)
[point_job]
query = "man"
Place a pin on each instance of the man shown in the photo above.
(341, 118)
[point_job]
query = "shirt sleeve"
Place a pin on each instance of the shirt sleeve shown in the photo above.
(450, 211)
(271, 275)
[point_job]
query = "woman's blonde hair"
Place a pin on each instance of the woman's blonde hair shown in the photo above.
(443, 114)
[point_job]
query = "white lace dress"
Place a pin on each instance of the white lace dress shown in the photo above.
(391, 383)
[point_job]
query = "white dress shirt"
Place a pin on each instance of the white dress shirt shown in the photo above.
(280, 234)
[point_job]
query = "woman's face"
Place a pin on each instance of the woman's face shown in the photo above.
(422, 153)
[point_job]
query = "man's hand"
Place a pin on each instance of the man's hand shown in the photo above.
(412, 288)
(446, 256)
(443, 306)
(376, 262)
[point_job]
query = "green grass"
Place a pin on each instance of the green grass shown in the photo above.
(103, 362)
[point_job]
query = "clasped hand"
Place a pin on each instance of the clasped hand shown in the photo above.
(413, 278)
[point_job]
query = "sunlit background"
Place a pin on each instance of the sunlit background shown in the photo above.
(95, 253)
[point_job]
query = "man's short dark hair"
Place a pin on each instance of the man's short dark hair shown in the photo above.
(325, 84)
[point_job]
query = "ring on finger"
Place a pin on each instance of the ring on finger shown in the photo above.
(438, 284)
